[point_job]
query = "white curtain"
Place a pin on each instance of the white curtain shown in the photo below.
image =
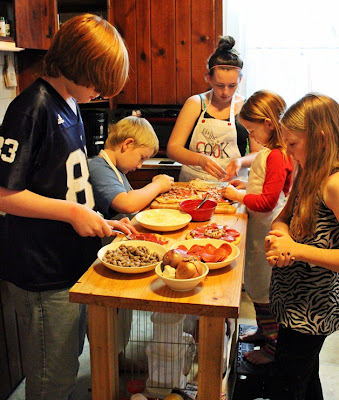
(290, 46)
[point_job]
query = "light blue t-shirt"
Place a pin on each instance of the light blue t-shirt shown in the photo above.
(106, 185)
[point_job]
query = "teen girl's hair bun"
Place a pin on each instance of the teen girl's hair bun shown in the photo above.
(226, 43)
(225, 55)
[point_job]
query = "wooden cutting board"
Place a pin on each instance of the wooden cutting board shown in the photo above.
(221, 209)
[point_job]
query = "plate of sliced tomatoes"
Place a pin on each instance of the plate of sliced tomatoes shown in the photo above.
(215, 253)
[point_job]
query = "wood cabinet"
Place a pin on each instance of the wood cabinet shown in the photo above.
(36, 23)
(169, 43)
(37, 20)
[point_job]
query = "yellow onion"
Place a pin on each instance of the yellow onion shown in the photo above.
(173, 257)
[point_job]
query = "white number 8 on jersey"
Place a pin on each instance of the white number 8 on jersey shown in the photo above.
(80, 184)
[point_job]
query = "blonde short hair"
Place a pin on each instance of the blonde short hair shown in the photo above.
(136, 128)
(89, 51)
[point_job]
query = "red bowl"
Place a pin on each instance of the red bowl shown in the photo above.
(204, 213)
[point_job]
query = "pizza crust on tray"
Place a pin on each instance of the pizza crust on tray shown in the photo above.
(195, 189)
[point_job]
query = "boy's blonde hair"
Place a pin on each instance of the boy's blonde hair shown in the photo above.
(136, 128)
(89, 51)
(315, 117)
(265, 104)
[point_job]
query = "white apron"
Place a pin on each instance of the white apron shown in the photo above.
(257, 276)
(214, 137)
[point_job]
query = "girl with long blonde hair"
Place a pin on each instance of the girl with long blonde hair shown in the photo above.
(303, 245)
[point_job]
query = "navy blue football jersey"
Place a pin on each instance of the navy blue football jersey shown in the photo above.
(43, 149)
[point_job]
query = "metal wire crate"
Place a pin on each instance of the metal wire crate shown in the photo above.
(158, 348)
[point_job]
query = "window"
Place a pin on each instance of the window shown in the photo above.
(290, 47)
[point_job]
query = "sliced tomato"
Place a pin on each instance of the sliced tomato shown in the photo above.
(210, 249)
(182, 247)
(223, 253)
(195, 249)
(209, 257)
(227, 247)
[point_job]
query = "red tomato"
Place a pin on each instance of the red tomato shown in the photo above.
(209, 257)
(222, 253)
(227, 247)
(210, 249)
(183, 248)
(195, 249)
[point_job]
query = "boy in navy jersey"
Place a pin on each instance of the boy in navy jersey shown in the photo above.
(50, 233)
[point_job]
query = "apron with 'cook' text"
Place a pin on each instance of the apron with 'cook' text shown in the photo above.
(215, 138)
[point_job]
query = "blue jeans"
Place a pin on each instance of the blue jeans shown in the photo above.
(52, 333)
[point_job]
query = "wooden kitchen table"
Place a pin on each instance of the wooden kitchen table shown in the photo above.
(216, 298)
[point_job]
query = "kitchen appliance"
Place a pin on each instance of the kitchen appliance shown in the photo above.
(162, 118)
(96, 130)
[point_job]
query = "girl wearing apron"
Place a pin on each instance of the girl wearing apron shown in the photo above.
(217, 143)
(266, 194)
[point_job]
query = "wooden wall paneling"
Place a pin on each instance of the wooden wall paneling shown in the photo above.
(183, 37)
(143, 51)
(125, 22)
(203, 43)
(163, 52)
(218, 21)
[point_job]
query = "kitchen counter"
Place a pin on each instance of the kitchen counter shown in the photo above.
(217, 298)
(152, 167)
(163, 163)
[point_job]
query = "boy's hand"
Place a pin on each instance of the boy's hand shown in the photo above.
(165, 182)
(87, 222)
(123, 225)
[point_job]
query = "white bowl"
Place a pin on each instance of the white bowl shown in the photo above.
(181, 285)
(164, 220)
(152, 247)
(216, 243)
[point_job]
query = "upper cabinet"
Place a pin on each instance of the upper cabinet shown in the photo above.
(169, 43)
(36, 23)
(37, 20)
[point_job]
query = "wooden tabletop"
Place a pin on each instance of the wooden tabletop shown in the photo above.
(217, 296)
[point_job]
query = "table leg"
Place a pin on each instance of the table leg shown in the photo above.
(102, 324)
(210, 357)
